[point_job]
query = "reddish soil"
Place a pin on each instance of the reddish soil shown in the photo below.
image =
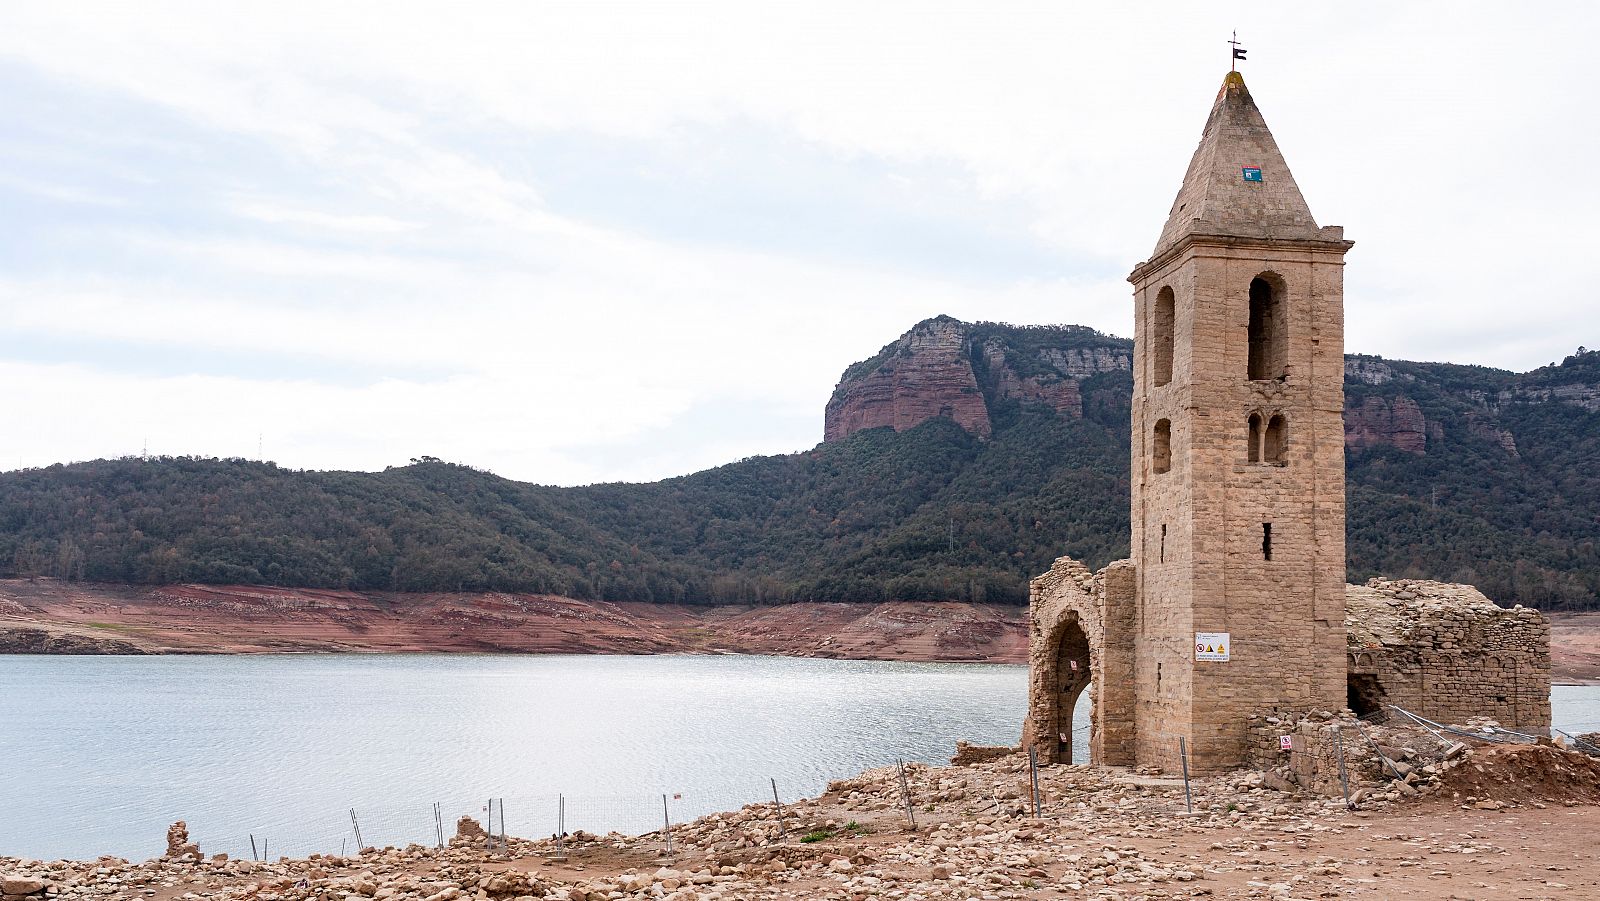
(1526, 773)
(1575, 647)
(241, 619)
(249, 619)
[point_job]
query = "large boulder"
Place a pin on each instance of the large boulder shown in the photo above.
(21, 886)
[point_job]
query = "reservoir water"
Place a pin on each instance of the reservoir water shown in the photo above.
(98, 755)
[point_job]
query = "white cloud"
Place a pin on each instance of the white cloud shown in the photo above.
(373, 199)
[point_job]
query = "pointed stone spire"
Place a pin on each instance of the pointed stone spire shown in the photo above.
(1238, 184)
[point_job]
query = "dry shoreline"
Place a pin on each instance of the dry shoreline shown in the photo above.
(48, 616)
(1097, 834)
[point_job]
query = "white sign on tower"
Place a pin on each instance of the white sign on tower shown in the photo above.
(1214, 646)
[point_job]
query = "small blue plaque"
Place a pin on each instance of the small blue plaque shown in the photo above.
(1252, 173)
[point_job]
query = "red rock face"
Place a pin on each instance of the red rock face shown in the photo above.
(931, 372)
(927, 374)
(1377, 421)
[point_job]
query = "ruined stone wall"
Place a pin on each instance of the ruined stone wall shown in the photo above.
(1312, 761)
(1064, 602)
(1441, 651)
(1448, 653)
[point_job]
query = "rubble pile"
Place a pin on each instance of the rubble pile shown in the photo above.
(1512, 774)
(1097, 833)
(1328, 754)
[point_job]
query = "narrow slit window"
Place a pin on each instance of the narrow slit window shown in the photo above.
(1161, 447)
(1254, 451)
(1161, 326)
(1272, 443)
(1266, 541)
(1163, 557)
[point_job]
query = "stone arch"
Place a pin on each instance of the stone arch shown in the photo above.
(1274, 439)
(1087, 618)
(1268, 352)
(1074, 663)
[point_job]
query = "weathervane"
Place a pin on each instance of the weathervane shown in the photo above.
(1238, 52)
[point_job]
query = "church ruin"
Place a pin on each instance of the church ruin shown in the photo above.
(1234, 601)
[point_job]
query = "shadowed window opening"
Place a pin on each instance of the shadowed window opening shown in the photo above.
(1161, 326)
(1255, 438)
(1364, 695)
(1163, 557)
(1267, 328)
(1272, 444)
(1266, 541)
(1161, 449)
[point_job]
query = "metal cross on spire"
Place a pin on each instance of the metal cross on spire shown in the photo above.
(1238, 52)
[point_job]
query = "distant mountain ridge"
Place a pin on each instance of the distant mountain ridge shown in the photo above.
(958, 370)
(958, 462)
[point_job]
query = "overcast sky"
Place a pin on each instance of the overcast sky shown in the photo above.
(588, 241)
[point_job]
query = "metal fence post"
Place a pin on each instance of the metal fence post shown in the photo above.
(1033, 778)
(561, 828)
(783, 830)
(1183, 756)
(1344, 777)
(905, 795)
(666, 823)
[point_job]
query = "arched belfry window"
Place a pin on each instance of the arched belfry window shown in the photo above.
(1161, 447)
(1268, 328)
(1161, 325)
(1272, 443)
(1255, 438)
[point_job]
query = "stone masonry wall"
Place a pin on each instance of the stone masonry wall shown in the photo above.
(1448, 653)
(1438, 650)
(1065, 602)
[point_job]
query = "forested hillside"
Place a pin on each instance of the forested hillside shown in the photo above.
(1457, 473)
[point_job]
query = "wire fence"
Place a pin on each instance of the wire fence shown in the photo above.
(540, 816)
(430, 823)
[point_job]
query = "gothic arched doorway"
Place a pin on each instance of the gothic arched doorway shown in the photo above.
(1072, 677)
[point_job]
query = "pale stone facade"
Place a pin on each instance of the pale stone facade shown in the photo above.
(1231, 535)
(1238, 489)
(1447, 653)
(1441, 651)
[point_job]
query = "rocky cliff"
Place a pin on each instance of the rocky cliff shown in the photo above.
(926, 373)
(1378, 420)
(946, 368)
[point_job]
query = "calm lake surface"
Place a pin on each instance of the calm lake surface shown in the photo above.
(98, 755)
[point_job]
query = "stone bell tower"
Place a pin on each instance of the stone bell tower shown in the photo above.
(1238, 451)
